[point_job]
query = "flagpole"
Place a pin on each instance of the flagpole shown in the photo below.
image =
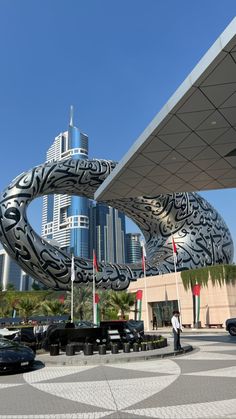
(145, 285)
(176, 279)
(94, 314)
(72, 289)
(176, 284)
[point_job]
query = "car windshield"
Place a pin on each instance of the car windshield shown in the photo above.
(5, 343)
(85, 323)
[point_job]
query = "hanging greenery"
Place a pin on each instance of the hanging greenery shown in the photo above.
(230, 274)
(218, 274)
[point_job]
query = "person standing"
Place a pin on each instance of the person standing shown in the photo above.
(177, 328)
(154, 322)
(38, 332)
(45, 328)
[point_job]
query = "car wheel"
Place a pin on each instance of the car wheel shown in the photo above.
(232, 330)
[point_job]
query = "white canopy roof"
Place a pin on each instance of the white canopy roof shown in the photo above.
(191, 143)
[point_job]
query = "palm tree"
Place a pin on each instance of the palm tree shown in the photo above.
(122, 301)
(12, 301)
(27, 307)
(5, 310)
(106, 309)
(82, 302)
(53, 308)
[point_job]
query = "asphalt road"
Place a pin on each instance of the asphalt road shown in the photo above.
(200, 384)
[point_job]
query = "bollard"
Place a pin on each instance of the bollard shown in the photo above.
(150, 346)
(114, 348)
(88, 349)
(126, 347)
(143, 346)
(102, 349)
(54, 349)
(70, 349)
(135, 347)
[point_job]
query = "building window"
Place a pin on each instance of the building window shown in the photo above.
(63, 215)
(78, 221)
(48, 229)
(74, 151)
(63, 144)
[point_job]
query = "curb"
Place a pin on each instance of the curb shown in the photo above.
(97, 359)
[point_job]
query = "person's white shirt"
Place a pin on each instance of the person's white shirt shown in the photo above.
(45, 328)
(176, 323)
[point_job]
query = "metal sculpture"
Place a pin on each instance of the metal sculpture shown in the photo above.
(201, 235)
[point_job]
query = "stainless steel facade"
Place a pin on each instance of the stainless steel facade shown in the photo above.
(201, 236)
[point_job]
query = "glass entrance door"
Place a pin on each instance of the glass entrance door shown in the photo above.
(163, 310)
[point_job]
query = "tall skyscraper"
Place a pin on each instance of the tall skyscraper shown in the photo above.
(78, 224)
(66, 218)
(133, 248)
(107, 233)
(11, 273)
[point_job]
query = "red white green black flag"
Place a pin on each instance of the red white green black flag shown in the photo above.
(144, 255)
(139, 297)
(174, 247)
(95, 263)
(196, 303)
(96, 309)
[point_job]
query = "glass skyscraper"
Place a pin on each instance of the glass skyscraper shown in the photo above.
(77, 224)
(66, 218)
(107, 234)
(12, 274)
(133, 248)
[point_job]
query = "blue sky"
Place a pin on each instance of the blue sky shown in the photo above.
(116, 61)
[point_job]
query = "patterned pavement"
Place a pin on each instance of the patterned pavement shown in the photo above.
(200, 384)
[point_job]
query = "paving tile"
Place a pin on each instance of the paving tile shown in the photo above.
(191, 389)
(188, 366)
(199, 384)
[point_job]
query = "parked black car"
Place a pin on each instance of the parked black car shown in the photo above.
(14, 356)
(28, 338)
(230, 326)
(85, 323)
(23, 335)
(122, 331)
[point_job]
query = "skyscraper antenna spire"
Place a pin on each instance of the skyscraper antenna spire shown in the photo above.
(71, 115)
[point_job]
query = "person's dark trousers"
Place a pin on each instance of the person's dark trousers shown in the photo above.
(177, 346)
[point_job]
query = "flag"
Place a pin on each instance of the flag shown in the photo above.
(139, 297)
(174, 246)
(97, 299)
(196, 289)
(175, 253)
(72, 269)
(196, 304)
(62, 299)
(96, 309)
(95, 263)
(144, 259)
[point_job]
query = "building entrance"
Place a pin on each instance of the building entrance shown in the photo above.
(162, 312)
